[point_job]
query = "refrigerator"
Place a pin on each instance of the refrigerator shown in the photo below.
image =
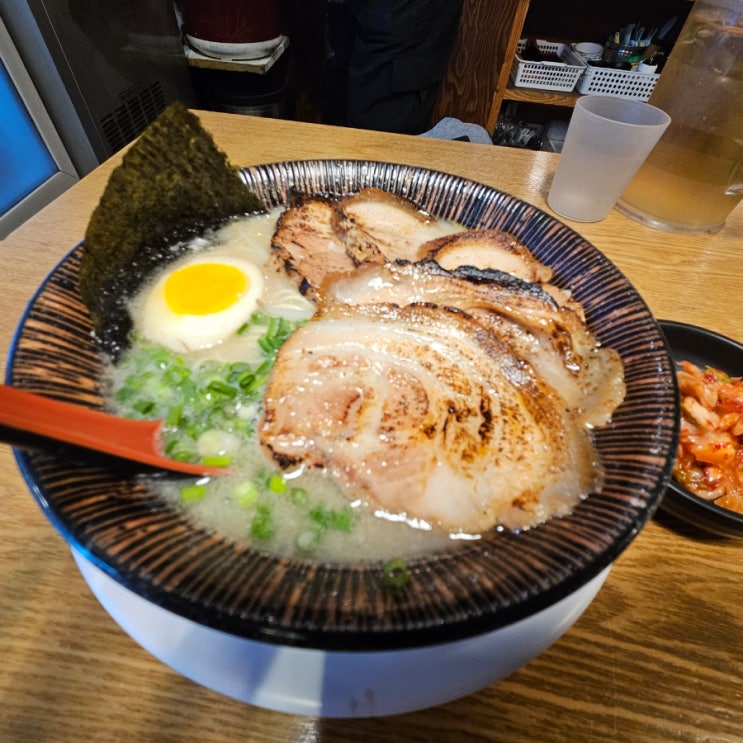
(79, 79)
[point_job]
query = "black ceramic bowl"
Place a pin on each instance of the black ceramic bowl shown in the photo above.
(703, 348)
(132, 544)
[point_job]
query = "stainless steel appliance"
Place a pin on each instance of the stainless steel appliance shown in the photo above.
(102, 70)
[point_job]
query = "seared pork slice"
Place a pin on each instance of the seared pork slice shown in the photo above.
(378, 226)
(553, 339)
(306, 245)
(425, 415)
(484, 248)
(495, 250)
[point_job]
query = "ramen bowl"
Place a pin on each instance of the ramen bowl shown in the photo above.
(337, 640)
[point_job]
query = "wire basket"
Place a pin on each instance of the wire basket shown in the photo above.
(619, 83)
(547, 75)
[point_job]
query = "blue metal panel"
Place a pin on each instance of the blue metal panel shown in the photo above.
(25, 161)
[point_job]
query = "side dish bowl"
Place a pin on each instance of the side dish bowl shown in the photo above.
(703, 348)
(245, 622)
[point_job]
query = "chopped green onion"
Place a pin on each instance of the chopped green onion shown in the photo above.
(162, 356)
(218, 387)
(395, 574)
(264, 369)
(125, 393)
(277, 484)
(299, 496)
(277, 331)
(246, 493)
(342, 520)
(329, 518)
(265, 344)
(256, 383)
(192, 493)
(245, 379)
(174, 416)
(263, 525)
(238, 372)
(144, 406)
(217, 460)
(180, 455)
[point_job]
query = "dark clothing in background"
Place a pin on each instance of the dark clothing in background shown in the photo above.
(386, 60)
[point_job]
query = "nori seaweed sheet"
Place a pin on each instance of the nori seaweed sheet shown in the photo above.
(173, 184)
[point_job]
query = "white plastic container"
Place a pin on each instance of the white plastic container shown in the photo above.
(561, 75)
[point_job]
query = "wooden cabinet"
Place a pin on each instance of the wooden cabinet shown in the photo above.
(477, 81)
(480, 63)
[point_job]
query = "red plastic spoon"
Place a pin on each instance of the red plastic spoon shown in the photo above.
(138, 441)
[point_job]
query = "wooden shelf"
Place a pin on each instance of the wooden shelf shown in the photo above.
(544, 97)
(477, 81)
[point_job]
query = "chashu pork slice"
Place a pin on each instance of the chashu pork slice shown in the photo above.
(425, 415)
(491, 249)
(379, 226)
(554, 339)
(486, 249)
(319, 237)
(306, 245)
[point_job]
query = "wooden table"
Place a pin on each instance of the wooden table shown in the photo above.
(658, 656)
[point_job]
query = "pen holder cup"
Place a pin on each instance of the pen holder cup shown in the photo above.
(617, 54)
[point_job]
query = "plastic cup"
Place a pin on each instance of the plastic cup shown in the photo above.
(607, 141)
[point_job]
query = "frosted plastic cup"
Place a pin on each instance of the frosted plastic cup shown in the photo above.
(606, 143)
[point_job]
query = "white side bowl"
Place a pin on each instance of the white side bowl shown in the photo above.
(332, 683)
(230, 50)
(588, 50)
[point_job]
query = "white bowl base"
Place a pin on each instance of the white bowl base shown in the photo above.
(333, 683)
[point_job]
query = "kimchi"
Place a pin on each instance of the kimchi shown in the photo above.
(710, 457)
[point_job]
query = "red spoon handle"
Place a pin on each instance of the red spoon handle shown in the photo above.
(91, 429)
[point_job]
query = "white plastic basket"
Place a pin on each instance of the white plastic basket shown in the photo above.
(619, 83)
(547, 75)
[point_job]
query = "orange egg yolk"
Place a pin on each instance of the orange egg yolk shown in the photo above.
(204, 288)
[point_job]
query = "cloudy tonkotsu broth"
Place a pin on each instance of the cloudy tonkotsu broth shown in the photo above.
(297, 513)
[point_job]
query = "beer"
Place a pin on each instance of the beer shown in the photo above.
(693, 178)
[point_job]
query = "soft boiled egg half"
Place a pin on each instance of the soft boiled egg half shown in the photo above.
(200, 302)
